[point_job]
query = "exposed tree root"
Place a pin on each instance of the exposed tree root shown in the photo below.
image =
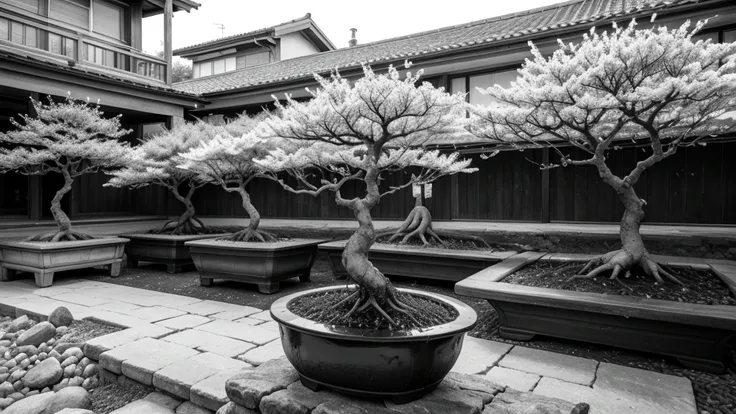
(60, 235)
(248, 234)
(417, 224)
(622, 261)
(189, 226)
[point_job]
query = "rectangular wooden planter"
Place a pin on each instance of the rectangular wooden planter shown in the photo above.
(419, 262)
(697, 335)
(161, 248)
(264, 264)
(44, 259)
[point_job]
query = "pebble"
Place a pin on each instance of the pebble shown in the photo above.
(54, 354)
(10, 364)
(90, 370)
(62, 330)
(69, 371)
(51, 341)
(25, 390)
(20, 357)
(28, 349)
(24, 363)
(69, 361)
(17, 375)
(33, 359)
(32, 393)
(18, 385)
(42, 356)
(64, 383)
(5, 403)
(47, 389)
(6, 388)
(73, 352)
(5, 343)
(4, 377)
(3, 370)
(90, 383)
(76, 382)
(16, 396)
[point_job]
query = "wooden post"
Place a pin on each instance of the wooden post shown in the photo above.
(545, 216)
(168, 14)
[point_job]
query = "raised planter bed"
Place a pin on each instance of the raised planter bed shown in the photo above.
(697, 335)
(161, 248)
(419, 262)
(43, 259)
(400, 365)
(264, 264)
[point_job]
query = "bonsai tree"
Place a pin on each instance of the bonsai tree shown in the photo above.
(71, 138)
(227, 160)
(358, 132)
(654, 87)
(155, 161)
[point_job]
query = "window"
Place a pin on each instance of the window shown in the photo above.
(195, 70)
(254, 59)
(219, 66)
(74, 12)
(729, 36)
(205, 69)
(4, 29)
(229, 64)
(29, 5)
(482, 81)
(107, 19)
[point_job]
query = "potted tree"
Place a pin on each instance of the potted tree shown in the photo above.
(369, 338)
(660, 90)
(249, 255)
(155, 161)
(70, 138)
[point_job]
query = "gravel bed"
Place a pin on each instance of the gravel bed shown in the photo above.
(709, 389)
(703, 286)
(110, 397)
(84, 330)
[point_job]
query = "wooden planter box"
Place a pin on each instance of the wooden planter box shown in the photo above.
(697, 335)
(161, 248)
(44, 259)
(264, 264)
(419, 262)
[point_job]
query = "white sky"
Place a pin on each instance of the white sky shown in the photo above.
(375, 20)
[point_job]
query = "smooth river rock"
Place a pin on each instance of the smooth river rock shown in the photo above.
(45, 374)
(61, 316)
(36, 335)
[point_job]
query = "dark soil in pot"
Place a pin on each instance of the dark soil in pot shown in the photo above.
(199, 232)
(319, 307)
(452, 243)
(703, 286)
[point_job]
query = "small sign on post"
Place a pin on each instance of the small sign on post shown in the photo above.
(428, 190)
(416, 190)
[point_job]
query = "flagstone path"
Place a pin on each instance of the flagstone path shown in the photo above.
(188, 348)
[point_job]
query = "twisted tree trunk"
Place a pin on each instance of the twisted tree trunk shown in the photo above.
(251, 232)
(632, 250)
(64, 224)
(187, 223)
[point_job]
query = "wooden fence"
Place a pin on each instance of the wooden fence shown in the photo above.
(695, 186)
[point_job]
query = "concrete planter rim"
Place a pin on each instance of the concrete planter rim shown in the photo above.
(62, 245)
(272, 246)
(465, 321)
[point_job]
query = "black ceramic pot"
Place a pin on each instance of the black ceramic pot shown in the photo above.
(400, 365)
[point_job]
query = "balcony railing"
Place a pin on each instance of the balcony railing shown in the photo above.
(79, 47)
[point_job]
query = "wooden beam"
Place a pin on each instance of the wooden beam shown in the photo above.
(168, 14)
(136, 25)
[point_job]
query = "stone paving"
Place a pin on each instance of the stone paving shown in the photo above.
(188, 348)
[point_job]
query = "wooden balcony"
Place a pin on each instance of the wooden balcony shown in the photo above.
(79, 48)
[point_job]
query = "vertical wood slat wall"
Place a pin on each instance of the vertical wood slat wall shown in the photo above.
(696, 186)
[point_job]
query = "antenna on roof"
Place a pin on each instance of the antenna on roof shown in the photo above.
(221, 27)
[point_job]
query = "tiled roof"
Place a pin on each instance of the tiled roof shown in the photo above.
(246, 35)
(61, 64)
(435, 42)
